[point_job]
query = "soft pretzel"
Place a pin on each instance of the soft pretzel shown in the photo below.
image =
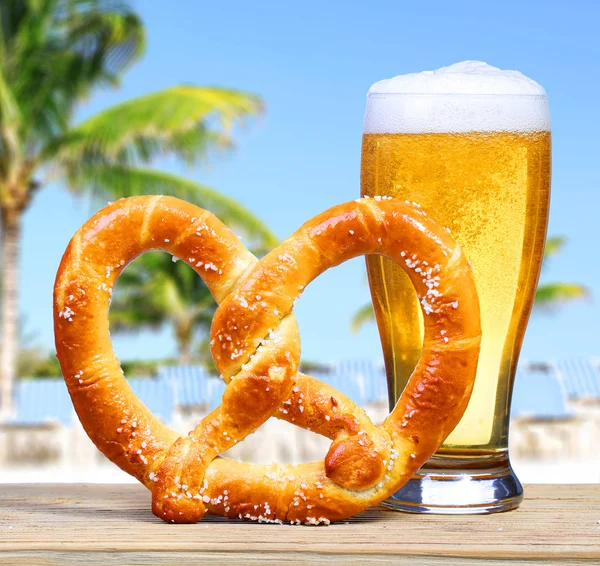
(256, 348)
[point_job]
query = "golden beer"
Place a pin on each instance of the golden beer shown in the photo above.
(471, 144)
(492, 191)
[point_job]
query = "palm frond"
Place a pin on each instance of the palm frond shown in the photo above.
(134, 305)
(10, 117)
(184, 120)
(9, 109)
(55, 52)
(551, 295)
(110, 39)
(121, 181)
(155, 291)
(554, 245)
(165, 296)
(362, 316)
(126, 317)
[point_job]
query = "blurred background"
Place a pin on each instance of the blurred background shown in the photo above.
(254, 111)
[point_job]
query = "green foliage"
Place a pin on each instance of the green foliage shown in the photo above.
(53, 53)
(363, 315)
(124, 181)
(184, 120)
(203, 355)
(552, 295)
(104, 153)
(553, 246)
(154, 291)
(142, 368)
(33, 360)
(36, 363)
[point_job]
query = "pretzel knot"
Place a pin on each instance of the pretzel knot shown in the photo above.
(255, 345)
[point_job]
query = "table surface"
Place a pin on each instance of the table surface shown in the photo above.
(99, 524)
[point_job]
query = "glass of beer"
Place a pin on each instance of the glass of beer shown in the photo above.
(471, 144)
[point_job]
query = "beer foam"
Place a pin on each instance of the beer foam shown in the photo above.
(464, 97)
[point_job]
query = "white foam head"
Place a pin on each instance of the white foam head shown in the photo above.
(471, 96)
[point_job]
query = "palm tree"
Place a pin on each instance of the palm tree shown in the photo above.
(552, 295)
(547, 296)
(53, 55)
(154, 291)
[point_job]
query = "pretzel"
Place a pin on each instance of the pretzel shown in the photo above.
(256, 348)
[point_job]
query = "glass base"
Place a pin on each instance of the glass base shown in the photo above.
(460, 485)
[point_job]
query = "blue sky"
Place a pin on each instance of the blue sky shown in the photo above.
(313, 63)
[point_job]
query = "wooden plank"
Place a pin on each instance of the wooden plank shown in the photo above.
(96, 524)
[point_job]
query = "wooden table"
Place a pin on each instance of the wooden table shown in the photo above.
(102, 524)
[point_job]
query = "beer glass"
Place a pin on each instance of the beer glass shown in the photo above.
(471, 145)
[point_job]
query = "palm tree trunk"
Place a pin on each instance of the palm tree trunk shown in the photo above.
(185, 354)
(9, 309)
(184, 333)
